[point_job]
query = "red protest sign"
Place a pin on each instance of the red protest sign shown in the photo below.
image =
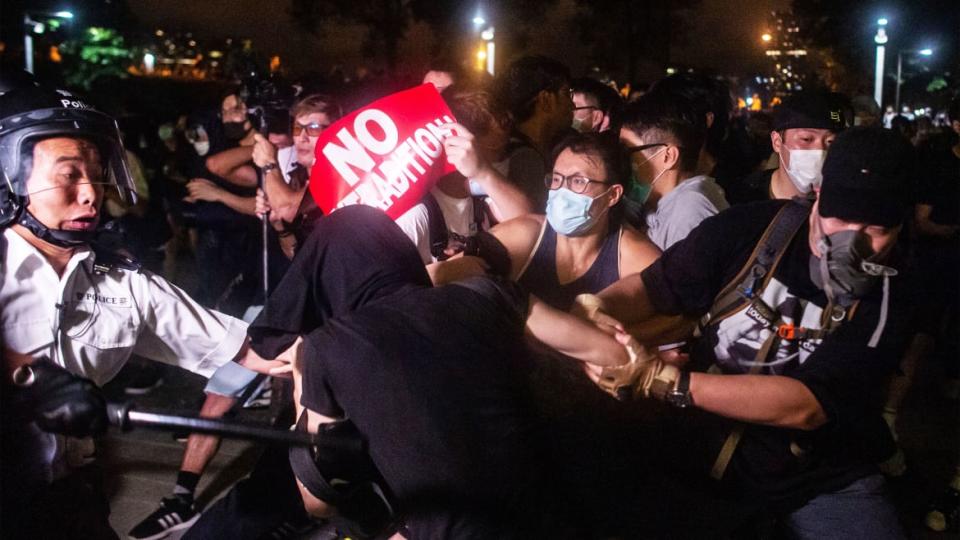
(386, 155)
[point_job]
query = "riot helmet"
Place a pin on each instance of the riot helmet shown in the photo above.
(30, 114)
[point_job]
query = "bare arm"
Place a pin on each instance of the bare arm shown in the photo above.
(770, 400)
(201, 189)
(626, 301)
(461, 151)
(509, 199)
(573, 336)
(233, 165)
(284, 200)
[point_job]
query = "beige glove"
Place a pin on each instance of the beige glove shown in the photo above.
(591, 308)
(645, 375)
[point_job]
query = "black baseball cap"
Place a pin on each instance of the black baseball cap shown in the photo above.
(868, 177)
(813, 110)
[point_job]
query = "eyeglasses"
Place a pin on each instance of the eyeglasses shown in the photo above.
(642, 147)
(586, 107)
(313, 129)
(576, 183)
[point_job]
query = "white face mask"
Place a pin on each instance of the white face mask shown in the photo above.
(806, 168)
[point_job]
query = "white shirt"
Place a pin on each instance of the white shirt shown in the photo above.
(91, 322)
(457, 213)
(287, 161)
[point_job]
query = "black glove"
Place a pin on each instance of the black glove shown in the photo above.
(59, 401)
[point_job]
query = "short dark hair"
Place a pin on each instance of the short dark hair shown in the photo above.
(707, 95)
(602, 146)
(523, 80)
(607, 98)
(674, 116)
(616, 164)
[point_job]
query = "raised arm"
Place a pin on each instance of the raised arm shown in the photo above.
(233, 165)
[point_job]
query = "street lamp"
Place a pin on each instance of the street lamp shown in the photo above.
(766, 37)
(921, 52)
(31, 26)
(880, 39)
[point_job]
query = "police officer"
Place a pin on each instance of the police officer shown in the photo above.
(85, 309)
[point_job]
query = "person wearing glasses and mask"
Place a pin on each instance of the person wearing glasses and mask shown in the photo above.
(584, 242)
(663, 134)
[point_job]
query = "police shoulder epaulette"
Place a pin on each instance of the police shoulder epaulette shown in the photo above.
(108, 259)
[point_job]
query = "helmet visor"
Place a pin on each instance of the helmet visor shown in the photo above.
(98, 157)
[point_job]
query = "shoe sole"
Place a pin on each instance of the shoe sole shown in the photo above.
(180, 526)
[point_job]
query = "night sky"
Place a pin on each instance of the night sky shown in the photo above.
(733, 45)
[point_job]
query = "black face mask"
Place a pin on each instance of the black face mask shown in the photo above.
(234, 130)
(844, 270)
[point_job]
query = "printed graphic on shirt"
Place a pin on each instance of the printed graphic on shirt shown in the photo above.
(740, 336)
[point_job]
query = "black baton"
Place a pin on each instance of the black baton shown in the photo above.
(124, 416)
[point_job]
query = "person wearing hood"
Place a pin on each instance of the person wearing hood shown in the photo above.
(432, 379)
(804, 127)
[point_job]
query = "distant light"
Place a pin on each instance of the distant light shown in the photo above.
(881, 36)
(766, 37)
(38, 28)
(487, 35)
(478, 20)
(925, 52)
(671, 71)
(481, 54)
(149, 62)
(192, 43)
(749, 101)
(63, 14)
(882, 21)
(159, 33)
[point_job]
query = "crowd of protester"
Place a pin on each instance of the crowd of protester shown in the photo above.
(573, 193)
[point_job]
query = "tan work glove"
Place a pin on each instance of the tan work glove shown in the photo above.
(645, 375)
(591, 308)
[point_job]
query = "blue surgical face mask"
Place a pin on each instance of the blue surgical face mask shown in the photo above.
(569, 213)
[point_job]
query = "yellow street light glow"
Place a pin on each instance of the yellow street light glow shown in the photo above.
(766, 37)
(481, 54)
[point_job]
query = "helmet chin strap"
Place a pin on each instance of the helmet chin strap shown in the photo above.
(57, 237)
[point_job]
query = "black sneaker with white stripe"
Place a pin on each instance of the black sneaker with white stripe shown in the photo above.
(174, 514)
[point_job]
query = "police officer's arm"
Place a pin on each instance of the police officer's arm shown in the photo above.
(233, 165)
(770, 400)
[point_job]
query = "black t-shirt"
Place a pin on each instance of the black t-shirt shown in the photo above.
(433, 378)
(751, 188)
(843, 372)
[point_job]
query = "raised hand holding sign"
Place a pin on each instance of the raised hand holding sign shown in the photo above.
(387, 155)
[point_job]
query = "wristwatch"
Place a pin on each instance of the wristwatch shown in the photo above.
(680, 396)
(269, 167)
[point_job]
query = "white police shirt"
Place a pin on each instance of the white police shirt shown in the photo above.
(91, 322)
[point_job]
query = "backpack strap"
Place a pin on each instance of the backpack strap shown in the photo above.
(437, 226)
(759, 268)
